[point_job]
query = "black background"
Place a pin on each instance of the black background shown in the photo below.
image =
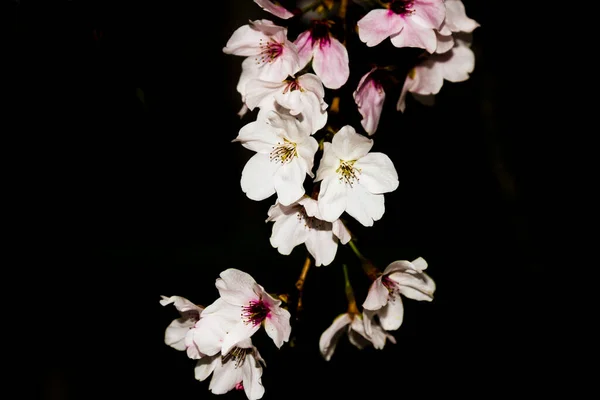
(119, 201)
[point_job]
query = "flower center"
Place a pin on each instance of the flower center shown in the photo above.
(311, 222)
(347, 173)
(319, 33)
(255, 312)
(283, 152)
(237, 354)
(269, 51)
(402, 7)
(391, 286)
(291, 85)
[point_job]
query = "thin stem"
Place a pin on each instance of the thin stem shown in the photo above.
(300, 282)
(370, 269)
(343, 9)
(352, 308)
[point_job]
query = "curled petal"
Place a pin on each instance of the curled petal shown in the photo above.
(330, 337)
(274, 9)
(277, 326)
(377, 296)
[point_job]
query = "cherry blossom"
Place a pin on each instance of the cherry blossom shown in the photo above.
(329, 56)
(369, 97)
(399, 278)
(300, 95)
(285, 153)
(353, 325)
(352, 179)
(247, 306)
(269, 54)
(408, 23)
(427, 78)
(300, 223)
(240, 369)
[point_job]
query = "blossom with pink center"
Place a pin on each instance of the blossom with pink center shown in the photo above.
(269, 54)
(369, 97)
(274, 9)
(329, 56)
(355, 327)
(408, 23)
(285, 153)
(179, 332)
(353, 179)
(303, 95)
(300, 223)
(248, 306)
(399, 278)
(456, 21)
(426, 79)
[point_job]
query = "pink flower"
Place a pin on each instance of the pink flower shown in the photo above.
(329, 56)
(408, 23)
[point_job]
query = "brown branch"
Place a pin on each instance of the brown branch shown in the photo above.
(300, 282)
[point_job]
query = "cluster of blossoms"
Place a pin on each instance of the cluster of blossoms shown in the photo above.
(295, 73)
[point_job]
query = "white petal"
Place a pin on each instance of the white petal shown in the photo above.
(377, 25)
(322, 245)
(415, 35)
(377, 296)
(377, 173)
(357, 334)
(245, 41)
(223, 309)
(330, 337)
(257, 177)
(277, 326)
(225, 377)
(240, 331)
(459, 65)
(259, 91)
(417, 286)
(456, 17)
(348, 145)
(252, 372)
(176, 331)
(328, 164)
(312, 83)
(288, 232)
(332, 199)
(205, 366)
(257, 136)
(444, 43)
(289, 182)
(340, 230)
(392, 314)
(181, 304)
(209, 333)
(306, 151)
(364, 206)
(237, 287)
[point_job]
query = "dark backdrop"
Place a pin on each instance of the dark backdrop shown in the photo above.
(127, 188)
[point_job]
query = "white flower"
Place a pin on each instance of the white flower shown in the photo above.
(179, 332)
(354, 326)
(354, 180)
(399, 278)
(247, 306)
(285, 153)
(301, 95)
(269, 54)
(239, 369)
(426, 79)
(301, 223)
